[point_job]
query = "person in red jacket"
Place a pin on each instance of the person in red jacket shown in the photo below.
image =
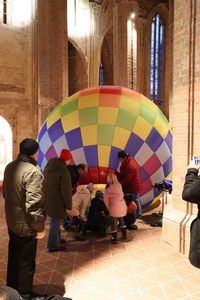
(131, 182)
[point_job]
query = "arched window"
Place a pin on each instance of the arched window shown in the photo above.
(157, 60)
(5, 145)
(101, 75)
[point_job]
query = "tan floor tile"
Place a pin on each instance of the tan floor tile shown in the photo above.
(40, 268)
(192, 287)
(127, 268)
(173, 294)
(60, 263)
(164, 277)
(87, 266)
(100, 266)
(106, 273)
(78, 286)
(109, 289)
(192, 278)
(66, 271)
(139, 269)
(182, 271)
(96, 269)
(99, 280)
(130, 281)
(168, 269)
(145, 283)
(83, 295)
(121, 274)
(85, 280)
(125, 290)
(151, 275)
(177, 285)
(196, 295)
(44, 277)
(50, 264)
(156, 264)
(157, 292)
(134, 296)
(146, 296)
(98, 295)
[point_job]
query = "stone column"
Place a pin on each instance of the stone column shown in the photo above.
(121, 14)
(185, 118)
(52, 53)
(94, 45)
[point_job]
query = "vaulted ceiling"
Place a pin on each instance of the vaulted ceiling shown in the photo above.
(97, 1)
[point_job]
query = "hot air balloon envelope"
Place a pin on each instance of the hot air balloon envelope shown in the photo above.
(97, 123)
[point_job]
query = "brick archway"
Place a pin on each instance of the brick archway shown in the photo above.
(107, 57)
(77, 69)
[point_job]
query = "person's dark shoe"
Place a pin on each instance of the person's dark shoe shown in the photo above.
(80, 237)
(61, 247)
(124, 233)
(62, 241)
(132, 227)
(36, 296)
(39, 298)
(113, 239)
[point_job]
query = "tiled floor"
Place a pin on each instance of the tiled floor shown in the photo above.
(143, 268)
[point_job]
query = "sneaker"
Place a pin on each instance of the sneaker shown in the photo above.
(132, 227)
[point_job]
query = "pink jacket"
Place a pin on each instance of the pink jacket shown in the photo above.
(114, 200)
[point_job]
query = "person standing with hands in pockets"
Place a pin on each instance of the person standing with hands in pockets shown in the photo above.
(25, 217)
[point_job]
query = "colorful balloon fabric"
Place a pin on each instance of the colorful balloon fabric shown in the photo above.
(97, 123)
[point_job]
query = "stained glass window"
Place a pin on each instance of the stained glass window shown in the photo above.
(157, 60)
(101, 75)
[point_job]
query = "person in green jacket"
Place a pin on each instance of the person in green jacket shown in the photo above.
(58, 197)
(25, 217)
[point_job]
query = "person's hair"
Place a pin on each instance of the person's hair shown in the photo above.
(122, 154)
(3, 294)
(81, 166)
(112, 179)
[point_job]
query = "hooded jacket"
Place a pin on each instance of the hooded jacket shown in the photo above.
(57, 188)
(80, 202)
(97, 211)
(129, 176)
(114, 200)
(24, 203)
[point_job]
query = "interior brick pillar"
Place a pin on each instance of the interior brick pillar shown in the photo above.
(94, 46)
(121, 15)
(185, 119)
(52, 52)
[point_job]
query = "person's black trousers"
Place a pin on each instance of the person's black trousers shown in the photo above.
(21, 263)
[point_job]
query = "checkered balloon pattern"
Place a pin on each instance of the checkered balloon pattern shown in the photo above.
(96, 123)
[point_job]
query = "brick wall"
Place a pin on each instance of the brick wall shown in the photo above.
(52, 54)
(16, 79)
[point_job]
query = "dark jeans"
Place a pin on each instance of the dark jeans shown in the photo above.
(21, 263)
(130, 218)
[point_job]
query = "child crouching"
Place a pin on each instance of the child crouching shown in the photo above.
(98, 217)
(80, 204)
